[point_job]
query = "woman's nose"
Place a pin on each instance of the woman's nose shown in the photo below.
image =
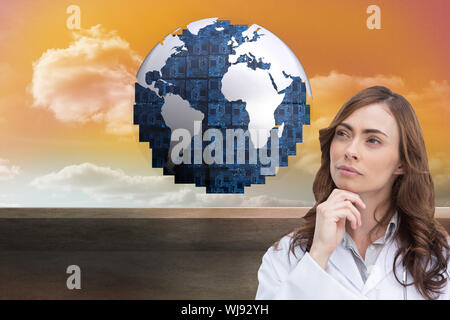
(351, 152)
(349, 155)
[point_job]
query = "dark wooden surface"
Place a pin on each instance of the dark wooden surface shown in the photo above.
(136, 258)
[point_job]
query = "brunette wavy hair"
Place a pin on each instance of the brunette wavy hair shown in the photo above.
(422, 240)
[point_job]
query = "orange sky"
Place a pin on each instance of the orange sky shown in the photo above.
(410, 53)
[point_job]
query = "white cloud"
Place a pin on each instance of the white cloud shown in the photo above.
(90, 80)
(7, 171)
(9, 205)
(435, 92)
(106, 185)
(339, 85)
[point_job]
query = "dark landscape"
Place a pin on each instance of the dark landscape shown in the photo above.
(183, 253)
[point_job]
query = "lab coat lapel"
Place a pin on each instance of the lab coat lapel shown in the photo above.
(383, 266)
(343, 260)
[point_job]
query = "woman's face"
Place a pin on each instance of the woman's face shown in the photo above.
(368, 141)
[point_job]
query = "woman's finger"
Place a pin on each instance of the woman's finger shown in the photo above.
(347, 214)
(354, 198)
(354, 211)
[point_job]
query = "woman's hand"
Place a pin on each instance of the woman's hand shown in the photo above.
(330, 223)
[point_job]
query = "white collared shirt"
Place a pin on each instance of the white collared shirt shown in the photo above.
(366, 265)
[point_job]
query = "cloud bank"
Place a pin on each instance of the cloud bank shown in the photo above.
(107, 185)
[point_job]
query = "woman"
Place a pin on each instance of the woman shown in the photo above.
(372, 232)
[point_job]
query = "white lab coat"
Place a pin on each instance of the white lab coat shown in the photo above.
(281, 277)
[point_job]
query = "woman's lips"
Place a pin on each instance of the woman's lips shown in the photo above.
(348, 173)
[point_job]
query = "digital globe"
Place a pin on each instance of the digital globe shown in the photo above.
(221, 105)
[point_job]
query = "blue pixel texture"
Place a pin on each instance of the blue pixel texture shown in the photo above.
(195, 73)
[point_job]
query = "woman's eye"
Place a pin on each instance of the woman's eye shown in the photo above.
(344, 134)
(340, 133)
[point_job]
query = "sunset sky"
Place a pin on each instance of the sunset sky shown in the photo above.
(66, 97)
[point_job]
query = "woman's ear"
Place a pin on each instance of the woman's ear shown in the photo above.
(399, 170)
